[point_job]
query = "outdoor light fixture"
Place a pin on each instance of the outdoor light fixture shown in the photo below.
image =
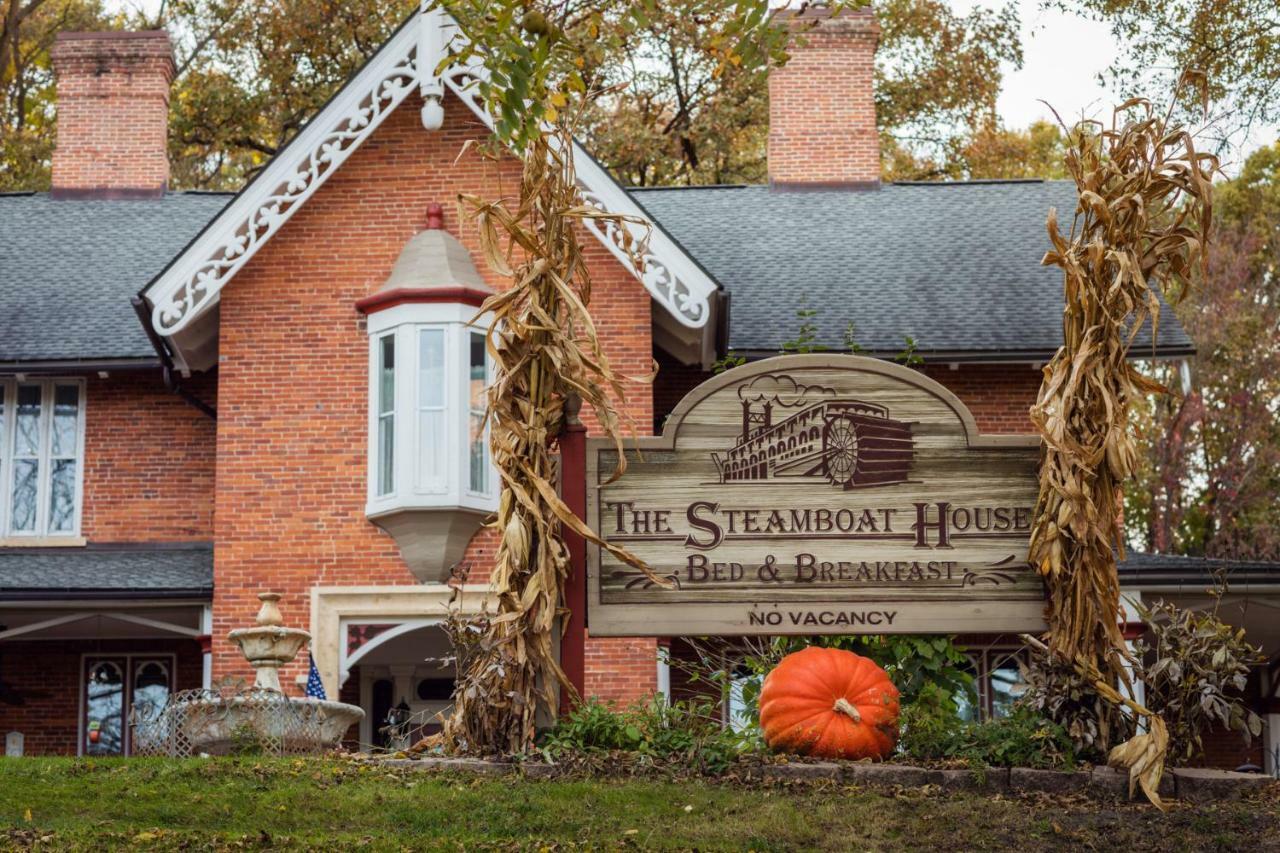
(431, 481)
(430, 47)
(432, 113)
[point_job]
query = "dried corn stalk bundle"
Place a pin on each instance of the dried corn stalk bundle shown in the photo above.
(1141, 223)
(545, 349)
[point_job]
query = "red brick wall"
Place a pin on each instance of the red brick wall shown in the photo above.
(47, 675)
(293, 378)
(113, 110)
(674, 381)
(621, 669)
(1229, 750)
(822, 109)
(149, 461)
(1000, 396)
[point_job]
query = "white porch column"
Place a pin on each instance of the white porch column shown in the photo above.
(664, 673)
(206, 638)
(1129, 618)
(402, 678)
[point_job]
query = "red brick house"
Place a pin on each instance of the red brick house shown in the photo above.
(205, 396)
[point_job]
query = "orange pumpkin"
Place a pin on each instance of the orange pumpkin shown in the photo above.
(829, 703)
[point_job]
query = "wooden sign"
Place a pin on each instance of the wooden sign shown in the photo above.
(816, 494)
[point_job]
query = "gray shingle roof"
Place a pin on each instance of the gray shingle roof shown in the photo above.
(955, 266)
(139, 572)
(1160, 569)
(69, 267)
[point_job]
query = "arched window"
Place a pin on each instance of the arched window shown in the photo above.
(104, 709)
(150, 687)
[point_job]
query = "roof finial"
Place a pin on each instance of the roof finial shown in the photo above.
(435, 217)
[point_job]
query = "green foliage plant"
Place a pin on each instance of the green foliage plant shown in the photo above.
(908, 355)
(806, 339)
(931, 730)
(729, 362)
(687, 732)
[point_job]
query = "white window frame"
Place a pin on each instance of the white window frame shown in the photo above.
(377, 415)
(491, 478)
(41, 534)
(457, 322)
(413, 337)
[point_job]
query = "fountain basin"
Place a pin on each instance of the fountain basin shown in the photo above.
(273, 644)
(256, 720)
(260, 718)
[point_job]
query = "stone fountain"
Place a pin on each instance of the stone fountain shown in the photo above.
(270, 645)
(221, 722)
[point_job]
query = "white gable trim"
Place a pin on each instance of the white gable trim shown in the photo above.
(189, 288)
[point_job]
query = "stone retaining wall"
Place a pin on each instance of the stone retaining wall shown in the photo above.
(1193, 784)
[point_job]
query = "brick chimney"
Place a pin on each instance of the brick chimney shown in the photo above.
(822, 109)
(113, 113)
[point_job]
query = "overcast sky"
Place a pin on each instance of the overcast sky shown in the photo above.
(1062, 57)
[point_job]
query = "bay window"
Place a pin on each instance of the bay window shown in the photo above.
(428, 438)
(430, 467)
(386, 417)
(431, 479)
(41, 457)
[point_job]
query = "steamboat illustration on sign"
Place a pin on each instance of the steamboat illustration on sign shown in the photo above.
(850, 443)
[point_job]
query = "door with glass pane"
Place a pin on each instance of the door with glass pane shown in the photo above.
(114, 688)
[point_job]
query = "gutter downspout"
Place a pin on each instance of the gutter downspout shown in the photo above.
(171, 380)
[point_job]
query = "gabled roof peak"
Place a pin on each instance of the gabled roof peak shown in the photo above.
(189, 287)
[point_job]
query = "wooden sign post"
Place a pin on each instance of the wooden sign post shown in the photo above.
(816, 494)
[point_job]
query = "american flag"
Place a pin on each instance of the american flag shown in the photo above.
(315, 687)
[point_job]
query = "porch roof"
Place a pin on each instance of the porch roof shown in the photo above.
(1150, 570)
(107, 572)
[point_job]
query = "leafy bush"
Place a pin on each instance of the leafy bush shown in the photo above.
(1057, 692)
(1195, 671)
(916, 663)
(689, 732)
(932, 729)
(1194, 668)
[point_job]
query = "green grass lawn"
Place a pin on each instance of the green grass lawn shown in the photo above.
(335, 805)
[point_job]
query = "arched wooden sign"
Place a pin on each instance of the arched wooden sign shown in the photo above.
(817, 494)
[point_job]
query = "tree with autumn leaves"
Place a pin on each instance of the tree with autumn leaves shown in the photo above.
(251, 72)
(1209, 469)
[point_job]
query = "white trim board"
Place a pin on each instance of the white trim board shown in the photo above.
(188, 289)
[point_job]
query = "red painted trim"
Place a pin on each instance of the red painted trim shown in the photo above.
(1133, 630)
(404, 295)
(573, 489)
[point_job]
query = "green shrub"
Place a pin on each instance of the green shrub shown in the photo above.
(687, 732)
(932, 729)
